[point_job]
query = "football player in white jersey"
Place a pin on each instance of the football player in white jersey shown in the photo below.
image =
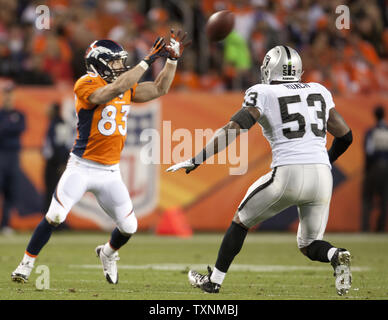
(294, 117)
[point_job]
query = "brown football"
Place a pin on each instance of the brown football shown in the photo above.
(219, 25)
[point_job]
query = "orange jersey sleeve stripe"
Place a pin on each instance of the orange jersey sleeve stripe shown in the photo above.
(133, 91)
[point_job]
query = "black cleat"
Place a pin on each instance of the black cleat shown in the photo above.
(203, 281)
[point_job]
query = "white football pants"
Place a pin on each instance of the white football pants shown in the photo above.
(104, 182)
(308, 186)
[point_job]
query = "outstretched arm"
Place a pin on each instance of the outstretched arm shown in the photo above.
(150, 90)
(129, 78)
(244, 119)
(221, 139)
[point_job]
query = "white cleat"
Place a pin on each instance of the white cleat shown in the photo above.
(22, 272)
(109, 265)
(343, 276)
(196, 279)
(202, 281)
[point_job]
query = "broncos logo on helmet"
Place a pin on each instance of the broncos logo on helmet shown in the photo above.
(99, 55)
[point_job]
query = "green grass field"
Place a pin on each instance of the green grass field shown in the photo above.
(269, 267)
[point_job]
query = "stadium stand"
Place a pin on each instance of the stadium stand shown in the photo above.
(346, 62)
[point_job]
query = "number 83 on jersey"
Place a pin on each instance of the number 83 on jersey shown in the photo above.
(108, 123)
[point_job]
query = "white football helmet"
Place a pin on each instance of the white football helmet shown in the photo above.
(281, 63)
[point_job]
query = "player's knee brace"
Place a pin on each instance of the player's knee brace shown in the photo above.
(128, 225)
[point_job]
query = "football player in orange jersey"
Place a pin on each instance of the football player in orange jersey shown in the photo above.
(103, 98)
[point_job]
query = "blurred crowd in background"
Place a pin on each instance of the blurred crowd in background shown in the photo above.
(347, 61)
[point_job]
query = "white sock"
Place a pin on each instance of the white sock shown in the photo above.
(28, 259)
(108, 250)
(217, 276)
(330, 253)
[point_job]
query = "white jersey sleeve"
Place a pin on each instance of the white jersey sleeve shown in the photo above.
(293, 118)
(326, 95)
(254, 98)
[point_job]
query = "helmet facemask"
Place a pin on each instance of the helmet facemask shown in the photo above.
(264, 71)
(114, 67)
(265, 74)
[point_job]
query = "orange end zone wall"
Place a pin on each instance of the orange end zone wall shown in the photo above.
(209, 196)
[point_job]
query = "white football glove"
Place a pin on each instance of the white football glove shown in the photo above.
(177, 44)
(175, 47)
(188, 165)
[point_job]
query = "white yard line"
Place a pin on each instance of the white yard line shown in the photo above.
(235, 267)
